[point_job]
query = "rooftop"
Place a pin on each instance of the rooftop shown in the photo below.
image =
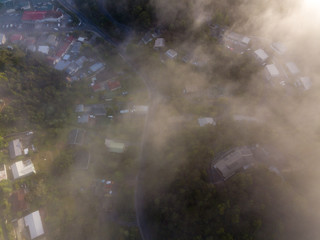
(34, 223)
(22, 168)
(204, 121)
(273, 70)
(233, 161)
(261, 54)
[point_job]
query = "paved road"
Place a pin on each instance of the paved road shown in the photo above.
(145, 234)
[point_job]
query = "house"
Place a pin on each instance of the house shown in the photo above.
(205, 121)
(236, 41)
(52, 40)
(279, 48)
(159, 43)
(80, 108)
(232, 162)
(305, 83)
(22, 169)
(81, 60)
(81, 39)
(113, 85)
(96, 67)
(82, 159)
(62, 65)
(72, 68)
(171, 53)
(3, 173)
(33, 223)
(261, 55)
(64, 47)
(18, 201)
(76, 47)
(76, 137)
(44, 49)
(98, 87)
(83, 118)
(41, 16)
(147, 38)
(14, 38)
(292, 68)
(15, 148)
(98, 110)
(2, 39)
(272, 72)
(140, 109)
(114, 147)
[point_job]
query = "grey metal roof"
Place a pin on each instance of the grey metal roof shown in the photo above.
(15, 148)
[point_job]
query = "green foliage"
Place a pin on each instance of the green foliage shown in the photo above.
(34, 92)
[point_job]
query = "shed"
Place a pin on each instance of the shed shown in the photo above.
(15, 148)
(204, 121)
(159, 43)
(171, 53)
(261, 55)
(272, 71)
(292, 68)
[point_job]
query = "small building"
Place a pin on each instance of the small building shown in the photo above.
(3, 173)
(236, 41)
(233, 161)
(62, 65)
(15, 148)
(76, 48)
(279, 48)
(114, 147)
(292, 68)
(272, 72)
(79, 108)
(81, 39)
(83, 119)
(81, 60)
(140, 109)
(2, 38)
(18, 201)
(98, 110)
(52, 40)
(15, 38)
(261, 55)
(113, 85)
(22, 169)
(77, 137)
(147, 38)
(205, 121)
(159, 43)
(44, 49)
(72, 68)
(41, 16)
(305, 83)
(33, 223)
(171, 54)
(96, 67)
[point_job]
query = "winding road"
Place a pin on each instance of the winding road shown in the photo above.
(89, 25)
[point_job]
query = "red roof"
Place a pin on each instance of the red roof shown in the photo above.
(30, 41)
(62, 50)
(113, 85)
(33, 16)
(16, 37)
(40, 15)
(97, 87)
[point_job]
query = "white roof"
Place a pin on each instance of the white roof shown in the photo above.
(34, 223)
(204, 121)
(159, 42)
(245, 40)
(81, 39)
(66, 57)
(278, 47)
(43, 49)
(261, 54)
(140, 108)
(292, 67)
(2, 38)
(273, 70)
(22, 168)
(306, 82)
(171, 53)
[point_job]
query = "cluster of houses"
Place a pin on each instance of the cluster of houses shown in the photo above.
(30, 226)
(278, 70)
(26, 5)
